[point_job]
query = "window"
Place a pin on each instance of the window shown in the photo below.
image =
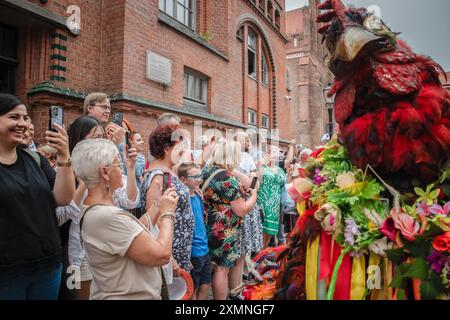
(265, 70)
(251, 45)
(8, 58)
(195, 88)
(181, 10)
(270, 11)
(277, 19)
(262, 5)
(252, 117)
(265, 121)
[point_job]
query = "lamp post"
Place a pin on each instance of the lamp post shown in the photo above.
(329, 101)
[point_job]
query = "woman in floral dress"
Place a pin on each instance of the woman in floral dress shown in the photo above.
(225, 207)
(167, 153)
(269, 194)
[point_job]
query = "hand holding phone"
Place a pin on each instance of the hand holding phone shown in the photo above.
(117, 118)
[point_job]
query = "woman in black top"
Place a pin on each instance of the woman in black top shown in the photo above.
(30, 249)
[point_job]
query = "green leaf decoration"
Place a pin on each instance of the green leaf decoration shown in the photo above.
(401, 294)
(428, 291)
(417, 270)
(396, 255)
(397, 281)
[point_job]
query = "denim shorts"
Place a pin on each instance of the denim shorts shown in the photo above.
(201, 271)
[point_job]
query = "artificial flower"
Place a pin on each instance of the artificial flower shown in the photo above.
(408, 227)
(379, 246)
(318, 178)
(438, 261)
(351, 231)
(330, 217)
(302, 185)
(345, 180)
(429, 195)
(442, 243)
(423, 209)
(388, 229)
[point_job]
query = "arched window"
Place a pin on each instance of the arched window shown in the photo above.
(251, 45)
(264, 70)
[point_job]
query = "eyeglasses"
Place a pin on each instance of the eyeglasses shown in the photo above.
(104, 107)
(118, 164)
(197, 177)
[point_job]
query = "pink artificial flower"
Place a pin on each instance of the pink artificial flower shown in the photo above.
(406, 224)
(388, 229)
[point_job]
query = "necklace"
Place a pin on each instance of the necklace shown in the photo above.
(9, 160)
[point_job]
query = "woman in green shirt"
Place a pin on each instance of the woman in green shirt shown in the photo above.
(269, 194)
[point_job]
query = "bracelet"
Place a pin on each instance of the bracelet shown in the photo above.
(66, 164)
(168, 216)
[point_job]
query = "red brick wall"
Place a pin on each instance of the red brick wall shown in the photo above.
(109, 55)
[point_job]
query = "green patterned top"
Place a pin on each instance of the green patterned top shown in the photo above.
(269, 198)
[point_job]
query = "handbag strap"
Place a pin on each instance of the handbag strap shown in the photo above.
(212, 176)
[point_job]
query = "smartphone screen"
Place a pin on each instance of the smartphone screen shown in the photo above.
(253, 185)
(128, 139)
(56, 116)
(117, 118)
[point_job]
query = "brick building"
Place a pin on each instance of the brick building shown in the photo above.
(308, 76)
(219, 61)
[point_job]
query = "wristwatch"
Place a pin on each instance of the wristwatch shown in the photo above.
(66, 164)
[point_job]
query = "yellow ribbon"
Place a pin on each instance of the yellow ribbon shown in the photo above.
(358, 282)
(301, 207)
(311, 274)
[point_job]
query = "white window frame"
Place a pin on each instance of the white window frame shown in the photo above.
(200, 97)
(265, 118)
(170, 7)
(251, 48)
(264, 69)
(252, 114)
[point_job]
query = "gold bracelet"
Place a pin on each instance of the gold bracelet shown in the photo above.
(65, 164)
(167, 216)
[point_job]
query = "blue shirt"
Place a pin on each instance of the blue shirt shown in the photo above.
(200, 241)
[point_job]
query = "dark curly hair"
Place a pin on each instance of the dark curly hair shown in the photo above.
(161, 138)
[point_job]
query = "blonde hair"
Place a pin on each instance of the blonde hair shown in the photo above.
(226, 154)
(93, 99)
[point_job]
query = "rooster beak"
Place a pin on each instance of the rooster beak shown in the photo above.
(351, 42)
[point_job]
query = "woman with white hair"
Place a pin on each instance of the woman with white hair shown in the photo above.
(124, 258)
(225, 207)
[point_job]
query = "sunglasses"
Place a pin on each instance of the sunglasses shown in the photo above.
(197, 177)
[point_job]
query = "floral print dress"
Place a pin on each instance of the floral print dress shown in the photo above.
(184, 222)
(269, 198)
(222, 223)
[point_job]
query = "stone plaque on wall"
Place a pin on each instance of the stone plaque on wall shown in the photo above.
(159, 68)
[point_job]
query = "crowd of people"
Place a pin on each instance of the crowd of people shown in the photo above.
(89, 216)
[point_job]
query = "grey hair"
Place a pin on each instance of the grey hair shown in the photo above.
(91, 154)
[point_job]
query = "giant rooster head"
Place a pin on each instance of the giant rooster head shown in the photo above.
(351, 32)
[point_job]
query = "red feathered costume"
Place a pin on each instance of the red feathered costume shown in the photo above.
(392, 110)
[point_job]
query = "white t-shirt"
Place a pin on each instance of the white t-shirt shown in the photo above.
(247, 163)
(107, 234)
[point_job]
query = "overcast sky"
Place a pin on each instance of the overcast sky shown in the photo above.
(424, 24)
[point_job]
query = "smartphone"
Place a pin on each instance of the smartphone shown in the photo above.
(56, 116)
(167, 181)
(128, 139)
(253, 185)
(117, 118)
